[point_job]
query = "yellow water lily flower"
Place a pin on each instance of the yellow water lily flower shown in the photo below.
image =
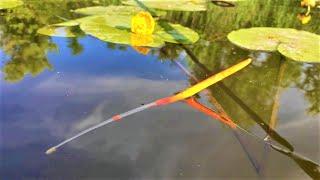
(304, 18)
(311, 3)
(142, 23)
(140, 40)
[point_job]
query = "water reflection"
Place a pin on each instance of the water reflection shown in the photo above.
(252, 99)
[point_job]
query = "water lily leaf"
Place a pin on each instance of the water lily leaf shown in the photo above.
(100, 29)
(106, 29)
(105, 10)
(121, 22)
(56, 31)
(8, 4)
(296, 45)
(176, 33)
(75, 22)
(175, 5)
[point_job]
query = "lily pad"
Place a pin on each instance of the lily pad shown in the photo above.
(101, 30)
(296, 45)
(104, 10)
(74, 22)
(112, 10)
(122, 22)
(176, 33)
(175, 5)
(56, 31)
(104, 30)
(8, 4)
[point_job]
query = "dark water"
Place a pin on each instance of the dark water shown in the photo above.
(52, 88)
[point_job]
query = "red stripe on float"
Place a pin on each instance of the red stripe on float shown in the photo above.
(116, 117)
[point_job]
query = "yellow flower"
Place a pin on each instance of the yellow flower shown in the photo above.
(141, 40)
(304, 18)
(311, 3)
(142, 23)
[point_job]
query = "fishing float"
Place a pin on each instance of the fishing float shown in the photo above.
(161, 102)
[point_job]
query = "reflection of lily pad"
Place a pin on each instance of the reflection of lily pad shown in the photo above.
(174, 33)
(176, 5)
(99, 29)
(56, 31)
(8, 4)
(111, 10)
(297, 45)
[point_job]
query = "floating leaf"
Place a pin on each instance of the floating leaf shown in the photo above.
(125, 29)
(119, 32)
(176, 5)
(8, 4)
(111, 10)
(176, 33)
(56, 31)
(75, 22)
(99, 29)
(297, 45)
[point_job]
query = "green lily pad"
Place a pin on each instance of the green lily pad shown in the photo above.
(100, 29)
(296, 45)
(8, 4)
(75, 22)
(176, 33)
(105, 10)
(112, 10)
(56, 31)
(175, 5)
(111, 31)
(118, 21)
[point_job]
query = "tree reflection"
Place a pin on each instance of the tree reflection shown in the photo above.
(257, 86)
(27, 49)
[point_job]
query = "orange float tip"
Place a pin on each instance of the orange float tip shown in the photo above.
(51, 150)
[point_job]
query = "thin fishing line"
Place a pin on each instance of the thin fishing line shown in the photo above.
(103, 123)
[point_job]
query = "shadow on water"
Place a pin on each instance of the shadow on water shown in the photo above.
(273, 134)
(311, 168)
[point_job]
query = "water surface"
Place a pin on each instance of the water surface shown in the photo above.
(51, 88)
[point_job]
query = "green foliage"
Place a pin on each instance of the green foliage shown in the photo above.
(27, 49)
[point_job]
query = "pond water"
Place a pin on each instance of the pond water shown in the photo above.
(52, 88)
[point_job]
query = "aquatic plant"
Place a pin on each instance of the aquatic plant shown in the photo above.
(120, 27)
(176, 5)
(296, 45)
